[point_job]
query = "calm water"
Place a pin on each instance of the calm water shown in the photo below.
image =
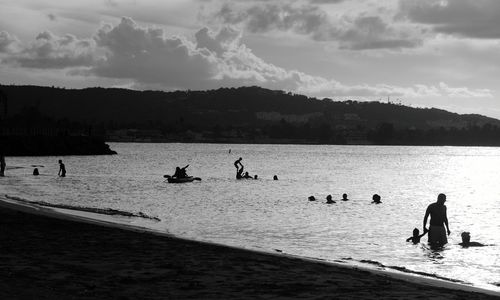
(267, 215)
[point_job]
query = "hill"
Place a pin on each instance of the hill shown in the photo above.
(247, 114)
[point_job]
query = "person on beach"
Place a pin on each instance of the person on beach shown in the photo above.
(329, 199)
(344, 197)
(415, 239)
(2, 165)
(275, 177)
(255, 177)
(466, 241)
(62, 169)
(180, 172)
(247, 176)
(311, 198)
(376, 199)
(35, 172)
(439, 219)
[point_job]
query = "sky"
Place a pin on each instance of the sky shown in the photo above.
(421, 53)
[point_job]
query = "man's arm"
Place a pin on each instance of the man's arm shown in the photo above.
(446, 221)
(427, 212)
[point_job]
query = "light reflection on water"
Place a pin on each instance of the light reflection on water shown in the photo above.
(267, 214)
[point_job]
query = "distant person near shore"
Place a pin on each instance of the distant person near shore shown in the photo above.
(35, 172)
(344, 197)
(439, 219)
(376, 199)
(275, 177)
(62, 169)
(329, 199)
(415, 238)
(2, 165)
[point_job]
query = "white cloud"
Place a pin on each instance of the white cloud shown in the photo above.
(49, 51)
(147, 57)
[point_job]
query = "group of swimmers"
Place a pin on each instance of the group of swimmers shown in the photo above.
(376, 199)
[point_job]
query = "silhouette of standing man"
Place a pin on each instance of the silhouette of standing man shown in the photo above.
(2, 165)
(62, 169)
(439, 219)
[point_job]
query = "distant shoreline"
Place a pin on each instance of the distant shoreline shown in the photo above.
(283, 142)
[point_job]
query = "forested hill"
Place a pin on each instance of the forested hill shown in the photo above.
(247, 114)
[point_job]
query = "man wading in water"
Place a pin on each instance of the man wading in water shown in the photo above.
(439, 219)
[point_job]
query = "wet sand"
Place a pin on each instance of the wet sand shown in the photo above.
(48, 258)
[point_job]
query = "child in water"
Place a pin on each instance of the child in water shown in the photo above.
(466, 241)
(415, 239)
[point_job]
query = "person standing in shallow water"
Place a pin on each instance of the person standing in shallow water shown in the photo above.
(62, 169)
(439, 219)
(2, 165)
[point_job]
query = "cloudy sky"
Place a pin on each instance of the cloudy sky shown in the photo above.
(424, 53)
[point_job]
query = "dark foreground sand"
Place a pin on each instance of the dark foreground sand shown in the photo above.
(47, 258)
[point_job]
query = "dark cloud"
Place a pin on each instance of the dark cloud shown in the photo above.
(326, 1)
(358, 33)
(373, 33)
(474, 19)
(52, 17)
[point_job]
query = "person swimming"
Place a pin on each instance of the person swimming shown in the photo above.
(247, 176)
(415, 239)
(376, 199)
(329, 199)
(466, 241)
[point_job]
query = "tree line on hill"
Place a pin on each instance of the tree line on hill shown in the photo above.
(242, 115)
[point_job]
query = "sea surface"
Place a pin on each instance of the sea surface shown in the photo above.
(271, 215)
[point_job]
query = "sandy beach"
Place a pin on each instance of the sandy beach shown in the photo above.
(49, 258)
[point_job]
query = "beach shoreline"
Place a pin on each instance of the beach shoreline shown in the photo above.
(49, 254)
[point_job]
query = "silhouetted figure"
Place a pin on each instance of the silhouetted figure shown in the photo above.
(376, 199)
(415, 239)
(238, 164)
(2, 165)
(344, 197)
(35, 172)
(311, 198)
(275, 177)
(239, 173)
(255, 176)
(466, 241)
(439, 219)
(180, 172)
(329, 199)
(247, 176)
(62, 169)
